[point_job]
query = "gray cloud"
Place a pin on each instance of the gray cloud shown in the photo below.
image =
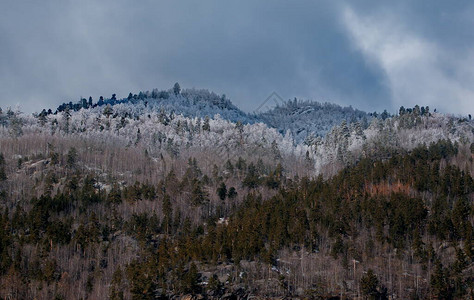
(61, 50)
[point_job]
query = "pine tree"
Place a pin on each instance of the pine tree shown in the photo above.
(116, 286)
(15, 122)
(71, 158)
(222, 191)
(252, 179)
(176, 89)
(275, 151)
(108, 111)
(3, 174)
(440, 282)
(206, 126)
(368, 284)
(3, 118)
(232, 193)
(66, 118)
(42, 118)
(191, 279)
(229, 168)
(167, 210)
(115, 195)
(198, 195)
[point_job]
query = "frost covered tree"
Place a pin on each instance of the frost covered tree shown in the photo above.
(43, 118)
(108, 111)
(15, 123)
(66, 119)
(206, 126)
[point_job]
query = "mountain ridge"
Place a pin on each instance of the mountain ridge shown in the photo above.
(301, 117)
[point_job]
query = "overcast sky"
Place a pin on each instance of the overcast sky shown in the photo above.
(369, 55)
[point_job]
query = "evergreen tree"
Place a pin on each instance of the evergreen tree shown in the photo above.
(3, 118)
(115, 195)
(252, 179)
(15, 123)
(3, 174)
(42, 118)
(66, 118)
(176, 89)
(222, 191)
(275, 151)
(116, 286)
(71, 158)
(402, 111)
(191, 280)
(440, 282)
(229, 167)
(368, 284)
(232, 193)
(167, 210)
(198, 195)
(206, 126)
(108, 111)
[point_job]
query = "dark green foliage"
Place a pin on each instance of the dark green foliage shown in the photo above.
(3, 174)
(241, 164)
(85, 235)
(116, 286)
(405, 215)
(50, 271)
(143, 226)
(142, 279)
(5, 241)
(167, 210)
(214, 285)
(191, 280)
(460, 218)
(222, 191)
(440, 282)
(115, 195)
(368, 284)
(252, 180)
(198, 194)
(59, 232)
(337, 248)
(71, 158)
(232, 193)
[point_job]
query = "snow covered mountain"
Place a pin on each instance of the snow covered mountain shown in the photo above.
(171, 169)
(307, 119)
(306, 137)
(302, 119)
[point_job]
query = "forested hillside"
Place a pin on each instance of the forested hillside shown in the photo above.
(170, 193)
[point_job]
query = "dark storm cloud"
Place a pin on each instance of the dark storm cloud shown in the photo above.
(57, 51)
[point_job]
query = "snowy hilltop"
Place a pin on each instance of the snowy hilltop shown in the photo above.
(175, 123)
(309, 119)
(301, 119)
